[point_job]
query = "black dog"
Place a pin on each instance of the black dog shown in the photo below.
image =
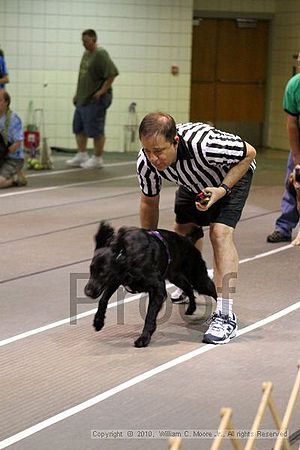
(141, 261)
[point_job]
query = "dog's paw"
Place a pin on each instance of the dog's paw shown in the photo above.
(142, 341)
(98, 324)
(190, 309)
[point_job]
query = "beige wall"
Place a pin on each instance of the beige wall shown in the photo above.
(285, 44)
(42, 43)
(41, 39)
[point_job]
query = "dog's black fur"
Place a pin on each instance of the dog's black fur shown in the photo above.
(138, 260)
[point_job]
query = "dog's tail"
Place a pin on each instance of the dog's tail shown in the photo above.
(201, 282)
(104, 235)
(195, 234)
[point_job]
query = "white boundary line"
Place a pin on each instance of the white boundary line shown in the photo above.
(136, 380)
(63, 186)
(17, 337)
(78, 169)
(112, 305)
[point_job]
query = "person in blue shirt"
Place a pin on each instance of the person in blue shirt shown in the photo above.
(3, 71)
(11, 131)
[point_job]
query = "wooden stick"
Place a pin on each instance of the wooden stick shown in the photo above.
(277, 421)
(226, 425)
(175, 443)
(267, 389)
(287, 415)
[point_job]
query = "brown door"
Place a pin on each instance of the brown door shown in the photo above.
(229, 67)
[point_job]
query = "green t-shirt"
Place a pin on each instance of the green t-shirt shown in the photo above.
(95, 68)
(291, 99)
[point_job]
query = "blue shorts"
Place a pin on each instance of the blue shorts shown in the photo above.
(227, 210)
(90, 119)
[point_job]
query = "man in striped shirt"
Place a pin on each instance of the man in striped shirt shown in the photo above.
(198, 157)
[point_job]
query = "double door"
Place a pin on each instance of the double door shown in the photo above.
(229, 72)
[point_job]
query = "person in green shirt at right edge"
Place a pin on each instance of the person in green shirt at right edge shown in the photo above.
(289, 217)
(92, 99)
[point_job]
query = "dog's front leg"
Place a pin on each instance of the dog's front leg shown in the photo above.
(156, 299)
(102, 307)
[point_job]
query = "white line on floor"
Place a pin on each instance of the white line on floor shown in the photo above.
(137, 379)
(64, 321)
(111, 305)
(76, 169)
(63, 186)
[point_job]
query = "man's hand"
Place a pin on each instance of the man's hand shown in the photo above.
(212, 195)
(97, 96)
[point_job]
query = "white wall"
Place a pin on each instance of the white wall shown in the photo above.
(285, 44)
(42, 44)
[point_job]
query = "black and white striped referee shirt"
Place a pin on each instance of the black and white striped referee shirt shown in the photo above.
(204, 156)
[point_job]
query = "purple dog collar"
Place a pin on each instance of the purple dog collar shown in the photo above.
(160, 237)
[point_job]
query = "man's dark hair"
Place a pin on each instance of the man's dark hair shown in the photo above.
(1, 53)
(158, 123)
(91, 33)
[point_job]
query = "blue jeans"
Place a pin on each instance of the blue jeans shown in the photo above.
(289, 214)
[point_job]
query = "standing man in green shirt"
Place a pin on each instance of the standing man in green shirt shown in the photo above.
(92, 99)
(289, 217)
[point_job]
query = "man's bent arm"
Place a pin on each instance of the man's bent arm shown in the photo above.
(149, 212)
(239, 170)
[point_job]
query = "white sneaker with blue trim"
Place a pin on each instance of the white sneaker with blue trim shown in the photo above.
(179, 297)
(222, 328)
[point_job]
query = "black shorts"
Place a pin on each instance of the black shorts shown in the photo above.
(227, 210)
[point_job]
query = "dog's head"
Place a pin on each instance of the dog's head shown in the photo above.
(101, 262)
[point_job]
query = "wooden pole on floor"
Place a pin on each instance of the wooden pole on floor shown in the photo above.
(226, 426)
(175, 443)
(266, 400)
(281, 439)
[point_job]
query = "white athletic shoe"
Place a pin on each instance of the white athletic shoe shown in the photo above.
(210, 273)
(78, 159)
(222, 328)
(95, 162)
(179, 297)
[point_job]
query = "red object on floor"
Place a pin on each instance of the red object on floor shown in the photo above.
(31, 139)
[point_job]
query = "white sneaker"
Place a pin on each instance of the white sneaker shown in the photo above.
(222, 328)
(179, 297)
(78, 159)
(210, 273)
(95, 162)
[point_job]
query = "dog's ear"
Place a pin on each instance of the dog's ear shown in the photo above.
(104, 235)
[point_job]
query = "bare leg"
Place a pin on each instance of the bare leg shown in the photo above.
(99, 146)
(5, 182)
(225, 259)
(81, 140)
(296, 241)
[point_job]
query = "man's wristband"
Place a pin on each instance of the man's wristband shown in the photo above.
(227, 188)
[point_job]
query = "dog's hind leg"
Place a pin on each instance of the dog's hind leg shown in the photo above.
(102, 307)
(156, 299)
(206, 287)
(182, 283)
